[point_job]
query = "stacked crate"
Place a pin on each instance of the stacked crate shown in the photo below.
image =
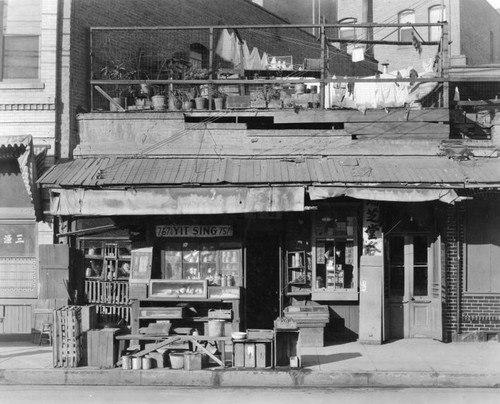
(67, 336)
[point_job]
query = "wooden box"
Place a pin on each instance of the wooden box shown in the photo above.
(259, 334)
(102, 349)
(238, 101)
(286, 346)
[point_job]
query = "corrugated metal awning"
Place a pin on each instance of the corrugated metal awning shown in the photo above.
(14, 146)
(436, 172)
(21, 149)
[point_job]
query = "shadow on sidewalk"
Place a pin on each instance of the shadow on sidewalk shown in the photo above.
(27, 353)
(310, 360)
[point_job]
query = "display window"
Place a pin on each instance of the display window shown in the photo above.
(219, 263)
(335, 245)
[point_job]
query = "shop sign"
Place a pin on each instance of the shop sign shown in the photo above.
(194, 231)
(372, 231)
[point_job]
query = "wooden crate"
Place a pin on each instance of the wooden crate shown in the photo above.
(67, 337)
(238, 101)
(102, 348)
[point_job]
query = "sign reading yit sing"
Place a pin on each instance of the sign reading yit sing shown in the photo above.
(194, 231)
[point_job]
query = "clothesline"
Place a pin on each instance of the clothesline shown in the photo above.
(233, 49)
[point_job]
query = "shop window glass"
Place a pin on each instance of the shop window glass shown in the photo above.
(217, 262)
(420, 266)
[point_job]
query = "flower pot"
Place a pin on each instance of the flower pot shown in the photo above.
(219, 103)
(201, 102)
(177, 360)
(158, 102)
(187, 105)
(119, 100)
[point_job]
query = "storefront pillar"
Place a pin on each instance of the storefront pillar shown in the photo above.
(371, 299)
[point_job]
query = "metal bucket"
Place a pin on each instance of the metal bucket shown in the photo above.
(126, 362)
(136, 363)
(147, 363)
(176, 360)
(216, 328)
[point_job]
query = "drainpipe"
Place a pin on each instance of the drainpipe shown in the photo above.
(367, 17)
(459, 267)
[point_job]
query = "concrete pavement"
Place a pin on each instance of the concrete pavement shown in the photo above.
(402, 363)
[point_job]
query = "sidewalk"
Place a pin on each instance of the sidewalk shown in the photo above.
(412, 363)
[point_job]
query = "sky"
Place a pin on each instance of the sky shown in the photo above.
(494, 3)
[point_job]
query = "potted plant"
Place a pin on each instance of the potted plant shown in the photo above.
(113, 70)
(176, 99)
(159, 98)
(202, 91)
(218, 97)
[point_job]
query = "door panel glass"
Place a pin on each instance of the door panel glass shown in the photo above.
(396, 263)
(420, 266)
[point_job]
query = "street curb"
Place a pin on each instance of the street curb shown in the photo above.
(245, 378)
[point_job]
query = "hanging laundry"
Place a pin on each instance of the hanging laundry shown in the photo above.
(228, 48)
(264, 62)
(251, 60)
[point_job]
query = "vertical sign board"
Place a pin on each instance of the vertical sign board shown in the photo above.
(371, 302)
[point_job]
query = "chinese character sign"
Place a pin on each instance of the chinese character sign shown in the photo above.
(372, 231)
(17, 240)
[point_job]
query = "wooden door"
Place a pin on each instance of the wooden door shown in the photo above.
(414, 307)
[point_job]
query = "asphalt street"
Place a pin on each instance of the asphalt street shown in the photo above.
(138, 395)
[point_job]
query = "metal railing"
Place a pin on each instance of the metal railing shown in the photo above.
(257, 66)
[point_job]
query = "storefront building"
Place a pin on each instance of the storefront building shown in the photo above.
(346, 263)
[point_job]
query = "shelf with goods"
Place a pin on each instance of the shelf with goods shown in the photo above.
(106, 260)
(184, 316)
(298, 274)
(107, 269)
(202, 275)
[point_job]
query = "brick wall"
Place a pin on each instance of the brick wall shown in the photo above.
(478, 313)
(470, 22)
(478, 19)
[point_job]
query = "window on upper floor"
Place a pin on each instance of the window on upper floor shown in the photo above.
(347, 32)
(406, 17)
(20, 31)
(436, 14)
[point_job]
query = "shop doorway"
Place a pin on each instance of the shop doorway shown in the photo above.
(262, 278)
(413, 286)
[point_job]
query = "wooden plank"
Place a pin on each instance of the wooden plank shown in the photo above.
(341, 116)
(250, 355)
(260, 355)
(401, 128)
(239, 354)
